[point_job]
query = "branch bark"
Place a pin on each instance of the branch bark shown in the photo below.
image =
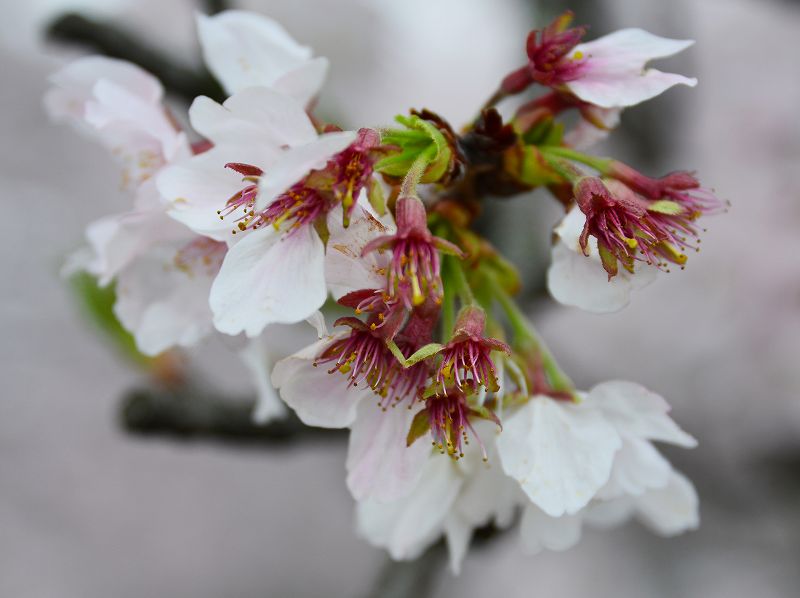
(189, 414)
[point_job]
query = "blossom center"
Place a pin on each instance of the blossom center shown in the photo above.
(298, 206)
(363, 358)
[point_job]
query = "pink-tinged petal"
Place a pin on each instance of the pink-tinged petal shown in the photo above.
(580, 281)
(243, 49)
(296, 162)
(614, 74)
(585, 134)
(73, 85)
(115, 241)
(256, 358)
(162, 305)
(80, 76)
(120, 105)
(345, 268)
(406, 527)
(638, 467)
(637, 412)
(379, 464)
(116, 106)
(319, 398)
(560, 453)
(671, 510)
(615, 90)
(631, 48)
(540, 531)
(269, 277)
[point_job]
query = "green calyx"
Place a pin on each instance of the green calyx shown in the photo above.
(419, 141)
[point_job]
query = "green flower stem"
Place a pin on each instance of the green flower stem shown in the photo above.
(459, 278)
(448, 313)
(563, 168)
(601, 165)
(525, 334)
(409, 186)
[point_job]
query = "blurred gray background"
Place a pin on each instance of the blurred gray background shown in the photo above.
(87, 511)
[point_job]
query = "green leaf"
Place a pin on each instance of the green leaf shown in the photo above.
(608, 259)
(555, 135)
(420, 426)
(665, 206)
(423, 353)
(392, 346)
(532, 169)
(376, 197)
(484, 412)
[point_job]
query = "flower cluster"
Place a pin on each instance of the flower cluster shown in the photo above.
(458, 414)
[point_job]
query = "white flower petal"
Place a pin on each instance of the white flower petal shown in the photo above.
(605, 514)
(615, 73)
(560, 453)
(540, 531)
(243, 50)
(670, 510)
(458, 534)
(488, 493)
(638, 412)
(256, 116)
(638, 467)
(258, 362)
(317, 320)
(406, 527)
(267, 278)
(580, 281)
(379, 464)
(304, 82)
(319, 398)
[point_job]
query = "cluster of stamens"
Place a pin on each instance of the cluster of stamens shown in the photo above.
(354, 168)
(299, 205)
(630, 227)
(466, 360)
(448, 416)
(363, 358)
(413, 273)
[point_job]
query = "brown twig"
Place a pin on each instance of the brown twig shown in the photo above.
(189, 414)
